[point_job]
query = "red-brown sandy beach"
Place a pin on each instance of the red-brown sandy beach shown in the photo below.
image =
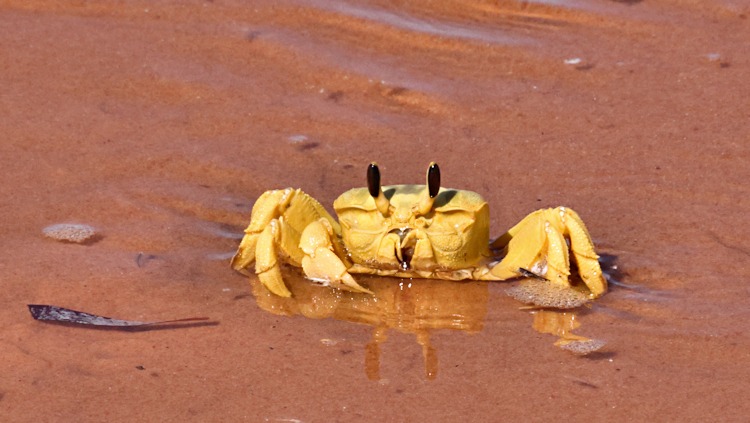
(160, 123)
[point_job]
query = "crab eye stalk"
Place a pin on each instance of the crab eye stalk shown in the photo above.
(433, 180)
(376, 191)
(373, 179)
(433, 188)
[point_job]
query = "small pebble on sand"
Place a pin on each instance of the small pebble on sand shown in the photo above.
(70, 232)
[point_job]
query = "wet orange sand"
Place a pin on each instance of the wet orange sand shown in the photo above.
(159, 124)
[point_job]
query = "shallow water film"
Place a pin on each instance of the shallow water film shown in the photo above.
(160, 123)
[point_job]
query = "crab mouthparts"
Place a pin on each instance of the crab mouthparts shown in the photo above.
(406, 248)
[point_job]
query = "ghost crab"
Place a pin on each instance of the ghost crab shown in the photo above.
(410, 231)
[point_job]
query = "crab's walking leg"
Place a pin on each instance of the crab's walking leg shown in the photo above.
(583, 250)
(269, 206)
(276, 223)
(278, 238)
(266, 260)
(524, 244)
(320, 262)
(264, 210)
(538, 243)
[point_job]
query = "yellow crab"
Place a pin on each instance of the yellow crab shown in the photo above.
(410, 231)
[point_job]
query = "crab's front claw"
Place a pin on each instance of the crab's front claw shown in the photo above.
(538, 244)
(320, 263)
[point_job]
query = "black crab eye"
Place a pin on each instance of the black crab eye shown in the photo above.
(373, 179)
(433, 180)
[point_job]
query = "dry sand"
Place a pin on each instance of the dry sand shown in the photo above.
(160, 123)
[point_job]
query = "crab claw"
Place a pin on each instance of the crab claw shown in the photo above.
(320, 263)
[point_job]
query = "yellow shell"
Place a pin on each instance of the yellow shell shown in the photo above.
(456, 228)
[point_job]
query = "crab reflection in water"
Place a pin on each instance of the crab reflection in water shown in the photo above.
(556, 312)
(561, 324)
(409, 306)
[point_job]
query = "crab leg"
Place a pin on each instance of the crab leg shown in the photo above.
(265, 209)
(558, 260)
(273, 205)
(320, 262)
(266, 260)
(279, 237)
(277, 221)
(524, 244)
(583, 250)
(503, 240)
(538, 243)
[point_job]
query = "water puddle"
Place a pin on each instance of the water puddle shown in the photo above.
(412, 23)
